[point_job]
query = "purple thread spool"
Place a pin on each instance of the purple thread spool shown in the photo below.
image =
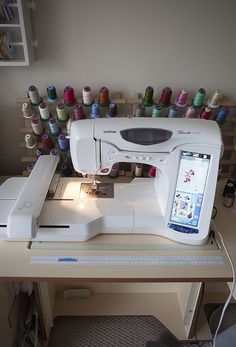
(53, 127)
(206, 113)
(190, 112)
(65, 170)
(36, 126)
(63, 143)
(47, 141)
(181, 100)
(78, 112)
(165, 97)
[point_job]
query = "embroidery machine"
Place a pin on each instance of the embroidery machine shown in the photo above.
(176, 204)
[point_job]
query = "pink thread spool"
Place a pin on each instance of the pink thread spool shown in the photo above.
(78, 112)
(47, 141)
(152, 171)
(206, 113)
(36, 126)
(181, 100)
(165, 97)
(69, 96)
(190, 112)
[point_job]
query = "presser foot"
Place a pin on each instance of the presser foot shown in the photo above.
(101, 190)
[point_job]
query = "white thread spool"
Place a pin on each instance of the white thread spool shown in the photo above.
(36, 126)
(27, 110)
(87, 96)
(214, 101)
(190, 112)
(138, 170)
(44, 111)
(34, 96)
(29, 141)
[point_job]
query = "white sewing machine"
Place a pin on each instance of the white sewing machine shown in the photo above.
(176, 204)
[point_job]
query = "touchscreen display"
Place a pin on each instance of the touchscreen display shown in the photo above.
(190, 187)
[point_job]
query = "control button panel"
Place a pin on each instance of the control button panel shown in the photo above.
(183, 229)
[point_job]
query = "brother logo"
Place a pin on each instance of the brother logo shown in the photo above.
(109, 131)
(183, 132)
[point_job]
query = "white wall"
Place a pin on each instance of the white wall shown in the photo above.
(125, 45)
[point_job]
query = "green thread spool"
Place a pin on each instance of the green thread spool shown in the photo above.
(148, 96)
(62, 115)
(140, 111)
(157, 111)
(199, 98)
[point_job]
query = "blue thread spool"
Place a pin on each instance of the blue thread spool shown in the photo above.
(63, 143)
(95, 113)
(52, 94)
(173, 111)
(53, 127)
(221, 115)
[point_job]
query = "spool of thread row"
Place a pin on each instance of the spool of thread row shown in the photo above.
(34, 96)
(221, 115)
(199, 98)
(148, 96)
(205, 113)
(103, 96)
(95, 112)
(140, 110)
(63, 143)
(114, 170)
(52, 94)
(181, 100)
(44, 112)
(138, 170)
(62, 114)
(112, 111)
(65, 170)
(27, 110)
(53, 127)
(69, 96)
(30, 141)
(37, 126)
(190, 112)
(47, 141)
(165, 99)
(157, 111)
(87, 97)
(214, 100)
(78, 112)
(173, 111)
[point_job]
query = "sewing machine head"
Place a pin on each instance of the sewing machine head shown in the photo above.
(176, 204)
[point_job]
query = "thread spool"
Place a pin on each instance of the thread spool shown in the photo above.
(140, 111)
(114, 172)
(199, 98)
(190, 112)
(62, 115)
(47, 141)
(65, 170)
(52, 94)
(157, 111)
(69, 96)
(205, 113)
(63, 143)
(53, 127)
(138, 170)
(34, 96)
(78, 112)
(27, 110)
(87, 97)
(44, 112)
(112, 111)
(39, 152)
(30, 167)
(165, 99)
(152, 171)
(95, 112)
(36, 126)
(214, 100)
(181, 100)
(173, 111)
(54, 152)
(103, 96)
(221, 115)
(29, 141)
(148, 97)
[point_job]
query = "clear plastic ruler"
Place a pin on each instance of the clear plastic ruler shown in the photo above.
(128, 260)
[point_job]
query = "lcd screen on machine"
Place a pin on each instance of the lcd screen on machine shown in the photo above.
(190, 186)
